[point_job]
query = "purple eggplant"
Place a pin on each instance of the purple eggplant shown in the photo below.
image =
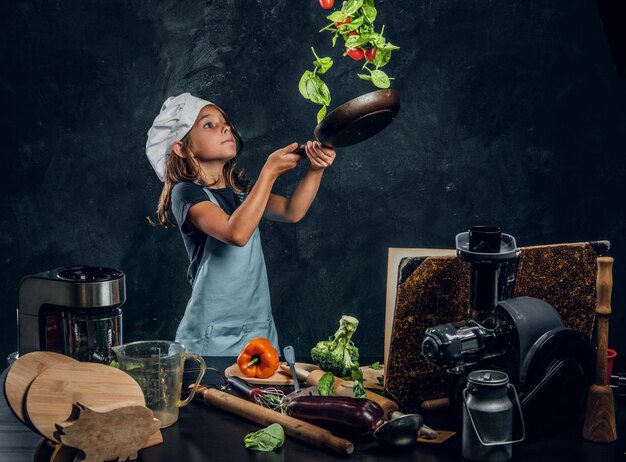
(343, 415)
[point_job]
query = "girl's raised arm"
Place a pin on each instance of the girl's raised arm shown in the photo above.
(237, 228)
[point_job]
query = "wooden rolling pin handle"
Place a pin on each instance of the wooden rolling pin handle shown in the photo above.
(295, 428)
(604, 286)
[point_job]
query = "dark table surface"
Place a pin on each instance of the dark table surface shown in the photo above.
(204, 433)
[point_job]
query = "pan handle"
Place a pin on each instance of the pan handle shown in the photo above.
(301, 150)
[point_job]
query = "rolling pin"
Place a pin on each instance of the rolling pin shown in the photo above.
(342, 388)
(295, 428)
(599, 423)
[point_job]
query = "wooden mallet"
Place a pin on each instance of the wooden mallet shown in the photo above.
(599, 424)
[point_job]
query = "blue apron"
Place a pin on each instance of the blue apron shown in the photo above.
(230, 299)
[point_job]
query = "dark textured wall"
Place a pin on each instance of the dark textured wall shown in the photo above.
(512, 114)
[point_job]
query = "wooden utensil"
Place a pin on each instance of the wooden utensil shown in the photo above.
(295, 428)
(343, 388)
(116, 431)
(23, 372)
(53, 392)
(599, 423)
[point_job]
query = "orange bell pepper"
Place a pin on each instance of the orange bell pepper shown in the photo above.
(258, 359)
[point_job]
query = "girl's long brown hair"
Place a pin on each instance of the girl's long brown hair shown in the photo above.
(178, 169)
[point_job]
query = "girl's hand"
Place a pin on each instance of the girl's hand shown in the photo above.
(320, 157)
(283, 160)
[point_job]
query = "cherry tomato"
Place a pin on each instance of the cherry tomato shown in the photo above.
(356, 53)
(347, 21)
(353, 33)
(327, 4)
(370, 54)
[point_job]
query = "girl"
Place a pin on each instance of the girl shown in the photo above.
(193, 147)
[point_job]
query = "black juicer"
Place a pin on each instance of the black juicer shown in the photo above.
(551, 365)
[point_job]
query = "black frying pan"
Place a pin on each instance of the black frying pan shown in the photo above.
(357, 120)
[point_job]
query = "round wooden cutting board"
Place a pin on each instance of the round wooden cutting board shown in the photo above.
(51, 395)
(279, 377)
(23, 372)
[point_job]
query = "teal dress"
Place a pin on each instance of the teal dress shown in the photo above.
(230, 299)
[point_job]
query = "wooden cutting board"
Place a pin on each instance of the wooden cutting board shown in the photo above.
(51, 395)
(279, 377)
(23, 372)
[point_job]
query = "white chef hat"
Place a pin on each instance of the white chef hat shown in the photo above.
(176, 118)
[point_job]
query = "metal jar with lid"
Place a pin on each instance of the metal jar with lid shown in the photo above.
(488, 417)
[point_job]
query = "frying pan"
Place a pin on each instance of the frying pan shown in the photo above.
(357, 120)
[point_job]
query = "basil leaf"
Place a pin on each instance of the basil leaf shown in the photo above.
(338, 16)
(313, 91)
(354, 25)
(370, 12)
(318, 91)
(382, 57)
(389, 46)
(376, 365)
(380, 79)
(353, 6)
(334, 39)
(366, 29)
(365, 77)
(325, 384)
(323, 64)
(321, 114)
(302, 85)
(266, 439)
(377, 40)
(356, 41)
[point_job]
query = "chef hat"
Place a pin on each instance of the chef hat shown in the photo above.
(176, 118)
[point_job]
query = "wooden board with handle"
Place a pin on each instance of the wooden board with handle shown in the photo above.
(22, 373)
(279, 378)
(114, 431)
(53, 392)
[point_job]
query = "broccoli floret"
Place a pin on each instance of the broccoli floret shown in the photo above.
(338, 355)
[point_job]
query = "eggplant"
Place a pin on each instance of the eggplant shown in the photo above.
(343, 415)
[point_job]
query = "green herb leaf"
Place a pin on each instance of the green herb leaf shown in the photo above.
(381, 380)
(302, 85)
(376, 366)
(338, 16)
(355, 24)
(388, 46)
(325, 384)
(370, 12)
(365, 77)
(380, 79)
(323, 64)
(334, 39)
(358, 389)
(353, 6)
(266, 439)
(356, 41)
(321, 114)
(382, 57)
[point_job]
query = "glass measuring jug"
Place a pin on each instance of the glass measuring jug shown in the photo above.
(157, 366)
